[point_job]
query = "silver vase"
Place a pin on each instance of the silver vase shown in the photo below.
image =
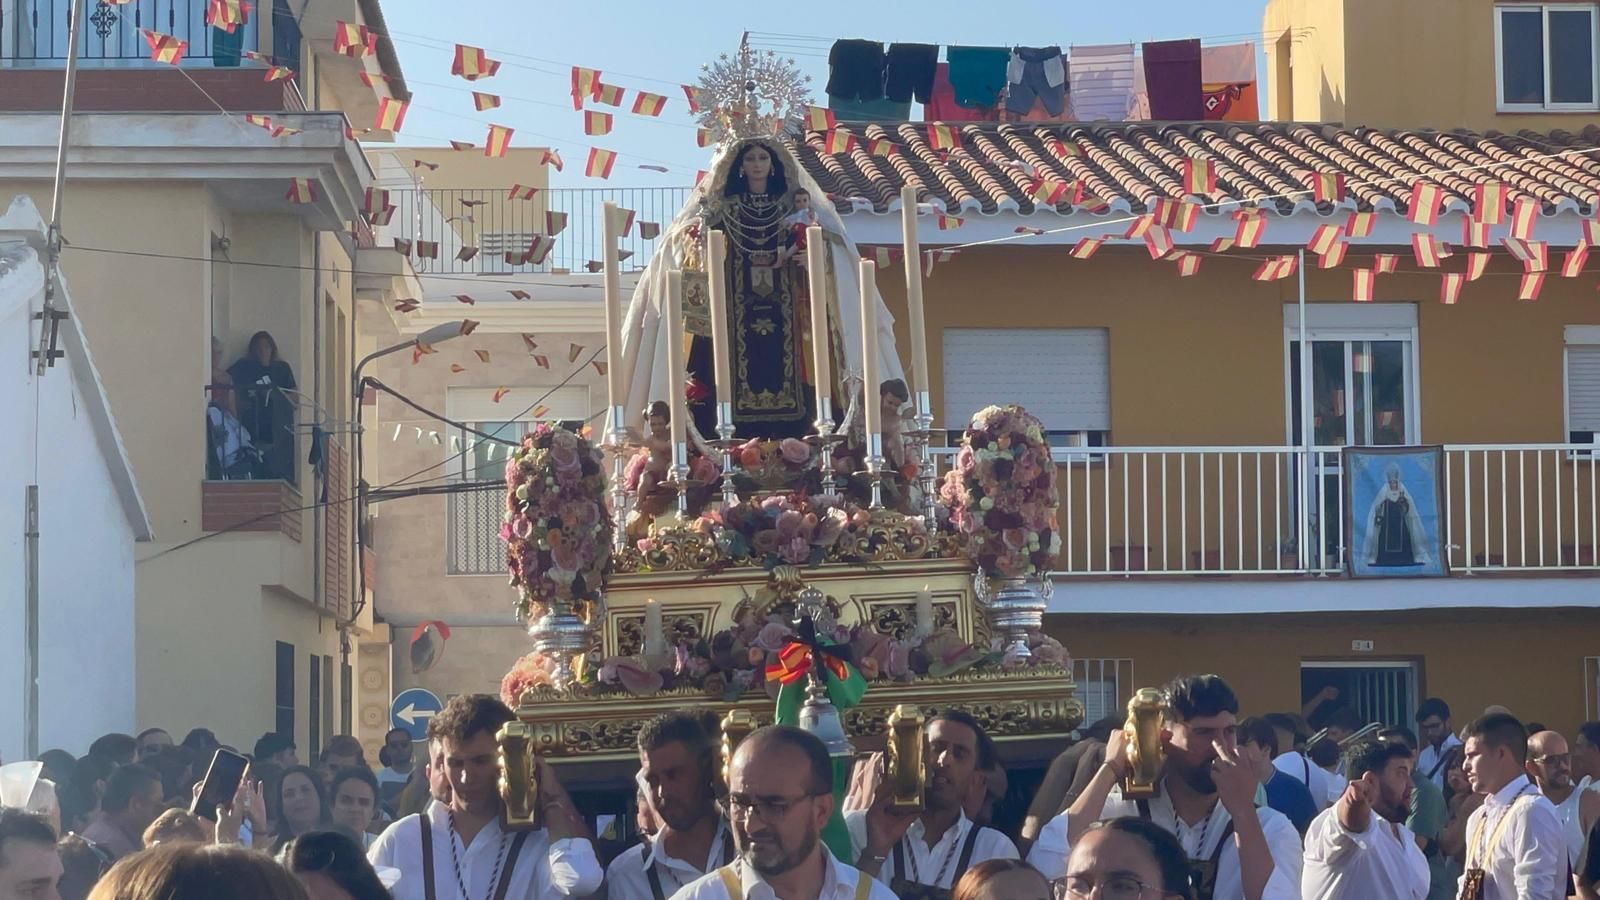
(1015, 607)
(560, 634)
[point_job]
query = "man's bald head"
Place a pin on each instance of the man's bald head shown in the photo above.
(1550, 761)
(783, 745)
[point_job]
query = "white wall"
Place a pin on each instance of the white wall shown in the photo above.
(86, 548)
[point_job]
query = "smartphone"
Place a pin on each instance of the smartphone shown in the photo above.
(220, 784)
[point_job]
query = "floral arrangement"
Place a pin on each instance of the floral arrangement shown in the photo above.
(1002, 496)
(785, 529)
(783, 465)
(533, 670)
(557, 528)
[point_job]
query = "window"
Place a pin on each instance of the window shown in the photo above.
(1545, 55)
(284, 689)
(314, 706)
(1060, 375)
(1582, 384)
(1363, 376)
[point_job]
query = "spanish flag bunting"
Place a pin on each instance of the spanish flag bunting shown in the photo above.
(1476, 263)
(1024, 229)
(950, 223)
(473, 63)
(1362, 282)
(424, 164)
(521, 192)
(1489, 202)
(624, 220)
(1359, 225)
(1247, 236)
(498, 141)
(226, 14)
(1524, 213)
(1275, 268)
(1450, 287)
(482, 101)
(1334, 257)
(702, 137)
(573, 352)
(1423, 207)
(1572, 262)
(693, 94)
(1323, 238)
(540, 247)
(1385, 263)
(355, 41)
(930, 257)
(942, 136)
(279, 131)
(1086, 247)
(1591, 232)
(1138, 227)
(1188, 263)
(1165, 211)
(880, 146)
(302, 190)
(402, 246)
(649, 230)
(468, 326)
(837, 141)
(466, 253)
(467, 299)
(1529, 285)
(391, 114)
(258, 120)
(585, 83)
(417, 353)
(277, 73)
(555, 222)
(1222, 245)
(609, 94)
(819, 118)
(1158, 241)
(1327, 187)
(1534, 255)
(427, 249)
(596, 123)
(406, 306)
(164, 48)
(1062, 149)
(1474, 233)
(1047, 191)
(500, 393)
(516, 257)
(374, 201)
(1199, 175)
(1188, 213)
(542, 362)
(648, 104)
(383, 216)
(457, 368)
(551, 158)
(462, 145)
(1425, 248)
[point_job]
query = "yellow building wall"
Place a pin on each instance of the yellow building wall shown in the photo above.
(1305, 41)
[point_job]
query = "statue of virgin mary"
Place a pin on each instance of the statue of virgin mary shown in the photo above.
(758, 195)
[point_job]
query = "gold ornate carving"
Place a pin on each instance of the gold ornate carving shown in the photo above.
(888, 535)
(678, 627)
(898, 620)
(696, 303)
(680, 548)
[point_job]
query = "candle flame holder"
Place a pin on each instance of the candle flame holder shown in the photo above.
(618, 442)
(921, 439)
(823, 442)
(726, 444)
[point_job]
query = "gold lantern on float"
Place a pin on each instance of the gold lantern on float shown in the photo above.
(905, 765)
(1143, 729)
(519, 776)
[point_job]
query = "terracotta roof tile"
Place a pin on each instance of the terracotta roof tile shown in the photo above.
(1271, 164)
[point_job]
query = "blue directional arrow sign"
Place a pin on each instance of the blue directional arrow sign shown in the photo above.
(412, 709)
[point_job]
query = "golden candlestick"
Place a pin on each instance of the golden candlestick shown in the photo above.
(904, 763)
(519, 776)
(1143, 729)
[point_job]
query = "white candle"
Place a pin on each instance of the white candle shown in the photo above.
(871, 401)
(817, 274)
(717, 296)
(612, 285)
(652, 627)
(924, 611)
(913, 256)
(675, 366)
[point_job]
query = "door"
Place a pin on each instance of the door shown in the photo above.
(1379, 690)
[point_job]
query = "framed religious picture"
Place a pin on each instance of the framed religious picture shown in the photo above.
(1394, 512)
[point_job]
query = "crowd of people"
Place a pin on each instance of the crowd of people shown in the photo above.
(1257, 808)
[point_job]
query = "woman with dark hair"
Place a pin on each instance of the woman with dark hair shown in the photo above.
(756, 169)
(1002, 879)
(301, 805)
(198, 872)
(260, 378)
(1127, 859)
(333, 867)
(354, 803)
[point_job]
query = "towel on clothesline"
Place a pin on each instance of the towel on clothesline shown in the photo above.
(855, 69)
(1101, 81)
(1172, 80)
(977, 74)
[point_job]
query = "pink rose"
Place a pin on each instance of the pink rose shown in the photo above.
(794, 451)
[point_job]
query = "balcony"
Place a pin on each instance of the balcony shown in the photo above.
(502, 229)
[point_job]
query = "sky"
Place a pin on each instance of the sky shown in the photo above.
(657, 46)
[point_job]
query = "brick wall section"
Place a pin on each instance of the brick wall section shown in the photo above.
(146, 90)
(337, 541)
(250, 506)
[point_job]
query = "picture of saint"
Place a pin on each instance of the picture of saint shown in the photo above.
(1394, 530)
(1393, 512)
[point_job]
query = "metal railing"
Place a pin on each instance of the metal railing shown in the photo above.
(1104, 686)
(251, 434)
(493, 223)
(474, 546)
(37, 31)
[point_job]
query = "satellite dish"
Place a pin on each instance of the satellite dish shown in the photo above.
(427, 645)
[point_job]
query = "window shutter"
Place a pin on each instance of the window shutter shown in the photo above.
(1058, 374)
(1583, 388)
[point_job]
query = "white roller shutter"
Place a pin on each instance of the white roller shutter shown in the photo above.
(1583, 388)
(1060, 375)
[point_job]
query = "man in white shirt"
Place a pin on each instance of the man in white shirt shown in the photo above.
(458, 850)
(934, 848)
(1440, 747)
(1358, 848)
(396, 757)
(780, 794)
(1550, 767)
(1295, 762)
(678, 772)
(1205, 796)
(1515, 846)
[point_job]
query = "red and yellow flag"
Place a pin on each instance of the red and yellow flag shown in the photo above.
(164, 48)
(624, 220)
(1274, 269)
(648, 104)
(1450, 287)
(1252, 225)
(521, 192)
(462, 145)
(693, 94)
(942, 136)
(1427, 250)
(1048, 192)
(1188, 263)
(820, 118)
(551, 158)
(1086, 247)
(1423, 207)
(1138, 227)
(836, 141)
(374, 201)
(609, 94)
(599, 163)
(1489, 202)
(391, 114)
(354, 41)
(1529, 286)
(1188, 213)
(1334, 256)
(1385, 263)
(949, 223)
(1476, 263)
(585, 84)
(427, 249)
(1572, 262)
(1327, 187)
(472, 63)
(227, 14)
(1158, 241)
(258, 120)
(482, 101)
(880, 146)
(277, 73)
(302, 190)
(555, 222)
(596, 123)
(498, 141)
(1360, 224)
(1474, 233)
(1362, 281)
(1165, 211)
(1222, 245)
(1524, 213)
(1323, 238)
(1199, 175)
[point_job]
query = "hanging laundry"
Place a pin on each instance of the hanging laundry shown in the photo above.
(908, 72)
(880, 110)
(977, 75)
(941, 105)
(855, 70)
(1102, 81)
(1036, 75)
(1172, 80)
(1228, 83)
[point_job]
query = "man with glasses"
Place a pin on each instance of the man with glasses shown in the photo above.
(1550, 767)
(677, 775)
(397, 765)
(780, 795)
